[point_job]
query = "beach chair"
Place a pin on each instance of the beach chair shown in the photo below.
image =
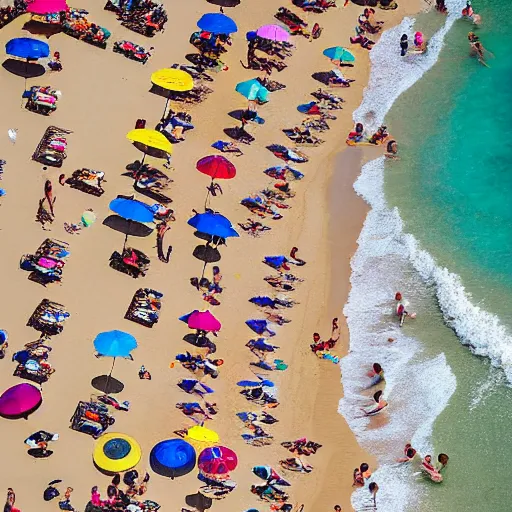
(51, 150)
(131, 262)
(88, 181)
(48, 317)
(145, 307)
(91, 418)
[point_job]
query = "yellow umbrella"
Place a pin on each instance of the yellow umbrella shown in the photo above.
(202, 434)
(116, 452)
(175, 80)
(150, 142)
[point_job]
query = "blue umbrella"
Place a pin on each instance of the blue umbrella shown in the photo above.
(114, 344)
(217, 23)
(27, 48)
(131, 209)
(339, 53)
(253, 90)
(172, 458)
(213, 224)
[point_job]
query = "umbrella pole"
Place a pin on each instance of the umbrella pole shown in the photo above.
(126, 234)
(165, 108)
(109, 376)
(204, 269)
(208, 194)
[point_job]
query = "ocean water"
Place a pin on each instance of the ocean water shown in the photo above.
(440, 231)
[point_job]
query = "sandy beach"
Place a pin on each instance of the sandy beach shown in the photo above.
(103, 94)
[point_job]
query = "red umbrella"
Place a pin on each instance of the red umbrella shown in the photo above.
(203, 321)
(217, 460)
(217, 167)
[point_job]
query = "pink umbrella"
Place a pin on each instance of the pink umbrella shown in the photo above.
(273, 32)
(47, 6)
(19, 400)
(203, 321)
(217, 460)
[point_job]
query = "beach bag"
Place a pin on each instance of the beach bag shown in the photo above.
(140, 124)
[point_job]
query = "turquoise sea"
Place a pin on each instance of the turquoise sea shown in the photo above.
(440, 231)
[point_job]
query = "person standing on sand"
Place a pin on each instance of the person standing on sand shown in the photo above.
(161, 229)
(48, 194)
(10, 501)
(337, 508)
(404, 45)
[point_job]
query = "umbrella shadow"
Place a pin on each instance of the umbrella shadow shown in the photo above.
(322, 77)
(127, 227)
(198, 501)
(224, 3)
(160, 91)
(207, 254)
(107, 384)
(23, 69)
(42, 29)
(200, 341)
(237, 114)
(155, 196)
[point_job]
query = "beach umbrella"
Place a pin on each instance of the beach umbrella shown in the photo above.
(47, 6)
(217, 460)
(203, 321)
(27, 48)
(217, 167)
(19, 400)
(202, 435)
(217, 23)
(132, 211)
(172, 458)
(273, 32)
(114, 344)
(174, 80)
(253, 90)
(116, 452)
(339, 53)
(213, 224)
(150, 142)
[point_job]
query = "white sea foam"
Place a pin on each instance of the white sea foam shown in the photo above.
(417, 388)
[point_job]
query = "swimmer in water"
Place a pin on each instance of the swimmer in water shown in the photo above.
(477, 48)
(400, 309)
(392, 149)
(376, 374)
(409, 453)
(470, 14)
(377, 407)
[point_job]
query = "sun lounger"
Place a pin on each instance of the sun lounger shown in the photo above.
(48, 317)
(41, 100)
(45, 266)
(91, 418)
(52, 148)
(131, 262)
(88, 181)
(145, 307)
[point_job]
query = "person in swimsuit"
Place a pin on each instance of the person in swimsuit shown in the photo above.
(477, 47)
(380, 404)
(358, 478)
(356, 135)
(404, 45)
(373, 488)
(364, 468)
(392, 149)
(441, 7)
(409, 453)
(376, 374)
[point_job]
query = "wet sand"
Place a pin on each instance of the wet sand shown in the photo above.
(103, 95)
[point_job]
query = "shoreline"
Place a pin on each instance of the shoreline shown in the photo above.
(99, 304)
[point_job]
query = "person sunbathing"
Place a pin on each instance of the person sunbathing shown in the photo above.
(296, 464)
(144, 374)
